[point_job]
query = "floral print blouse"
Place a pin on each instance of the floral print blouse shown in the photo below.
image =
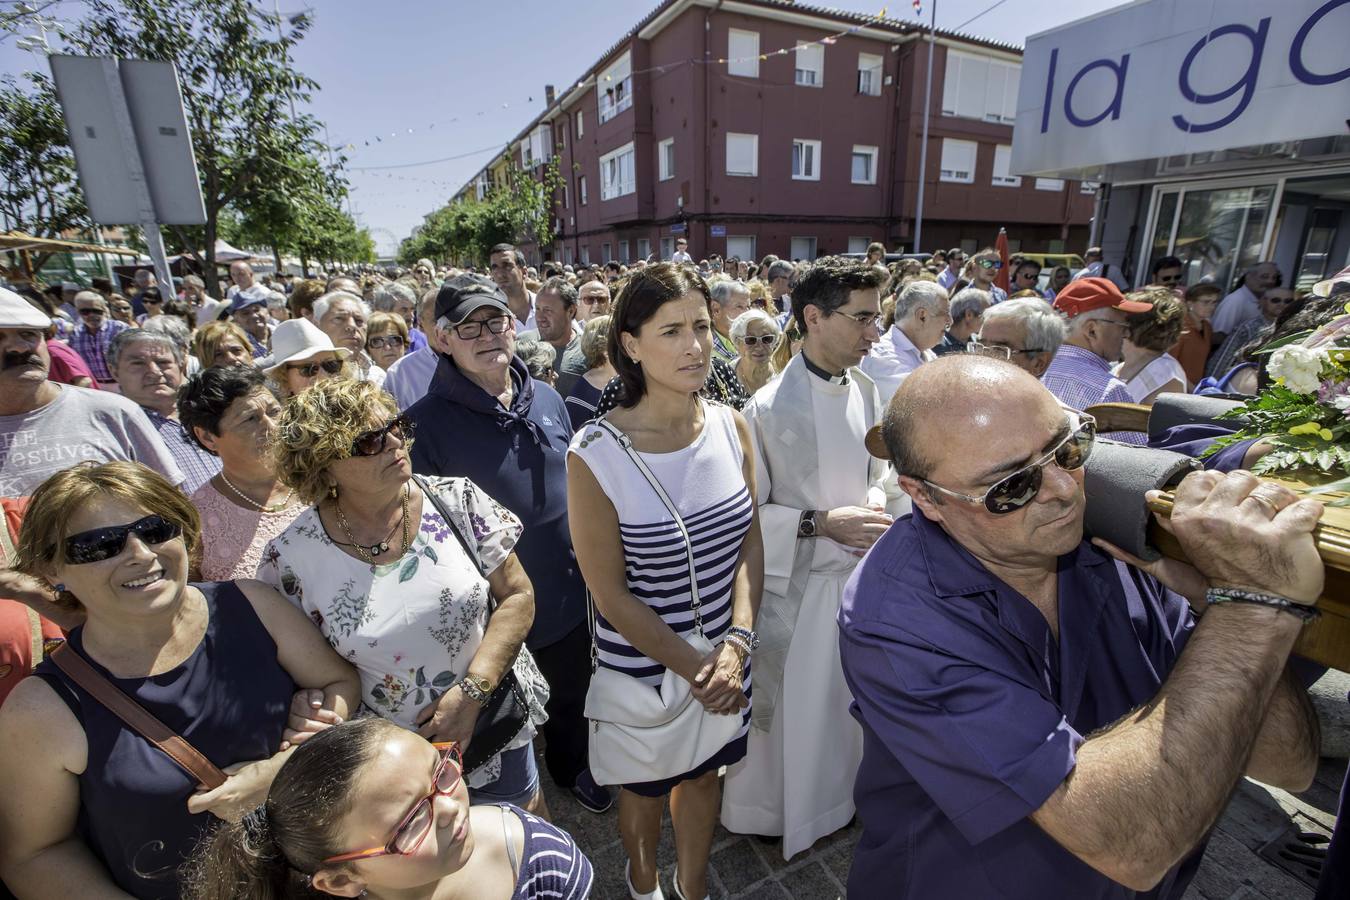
(410, 626)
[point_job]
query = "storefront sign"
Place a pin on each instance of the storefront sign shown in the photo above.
(1166, 77)
(677, 228)
(719, 231)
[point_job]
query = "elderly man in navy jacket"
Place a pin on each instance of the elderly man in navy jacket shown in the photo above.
(484, 418)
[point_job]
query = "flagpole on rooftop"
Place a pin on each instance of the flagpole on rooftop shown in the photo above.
(923, 144)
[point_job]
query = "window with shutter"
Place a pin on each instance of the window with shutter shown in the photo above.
(743, 53)
(958, 161)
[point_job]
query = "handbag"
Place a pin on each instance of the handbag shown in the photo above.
(137, 718)
(639, 734)
(506, 712)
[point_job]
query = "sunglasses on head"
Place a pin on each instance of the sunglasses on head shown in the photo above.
(372, 442)
(309, 370)
(1015, 491)
(416, 825)
(99, 544)
(768, 340)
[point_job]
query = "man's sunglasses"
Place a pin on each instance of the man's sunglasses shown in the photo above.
(90, 311)
(988, 263)
(471, 331)
(371, 443)
(1021, 487)
(416, 825)
(309, 370)
(99, 544)
(768, 340)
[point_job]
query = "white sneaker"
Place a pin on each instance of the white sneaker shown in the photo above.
(633, 892)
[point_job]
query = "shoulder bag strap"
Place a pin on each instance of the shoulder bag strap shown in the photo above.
(34, 620)
(135, 716)
(627, 446)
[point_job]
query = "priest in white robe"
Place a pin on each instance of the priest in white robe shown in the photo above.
(821, 502)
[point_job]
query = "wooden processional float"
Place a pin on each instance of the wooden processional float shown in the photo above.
(1117, 477)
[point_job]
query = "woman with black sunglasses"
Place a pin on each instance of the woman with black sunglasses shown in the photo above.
(369, 809)
(231, 414)
(303, 355)
(376, 563)
(88, 807)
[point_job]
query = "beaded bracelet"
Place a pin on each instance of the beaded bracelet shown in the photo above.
(1234, 595)
(738, 642)
(751, 638)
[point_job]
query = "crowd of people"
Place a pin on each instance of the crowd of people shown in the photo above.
(300, 577)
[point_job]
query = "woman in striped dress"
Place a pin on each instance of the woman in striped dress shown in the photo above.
(635, 559)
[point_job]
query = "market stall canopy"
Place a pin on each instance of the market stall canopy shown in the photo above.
(225, 254)
(17, 240)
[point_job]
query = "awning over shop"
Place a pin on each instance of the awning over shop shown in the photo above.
(17, 240)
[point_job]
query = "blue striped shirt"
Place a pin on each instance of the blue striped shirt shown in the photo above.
(551, 865)
(198, 465)
(1081, 378)
(92, 346)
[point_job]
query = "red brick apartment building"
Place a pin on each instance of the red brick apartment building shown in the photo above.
(732, 123)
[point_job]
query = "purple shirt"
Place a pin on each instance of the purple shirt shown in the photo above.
(972, 712)
(1081, 378)
(92, 346)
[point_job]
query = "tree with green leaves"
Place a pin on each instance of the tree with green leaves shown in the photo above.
(519, 210)
(39, 194)
(240, 88)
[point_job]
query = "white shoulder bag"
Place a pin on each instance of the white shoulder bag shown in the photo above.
(640, 733)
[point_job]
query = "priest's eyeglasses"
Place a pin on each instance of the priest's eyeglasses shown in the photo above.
(1015, 491)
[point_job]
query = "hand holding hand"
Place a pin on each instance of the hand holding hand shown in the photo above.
(718, 683)
(854, 526)
(308, 716)
(1241, 532)
(451, 717)
(245, 788)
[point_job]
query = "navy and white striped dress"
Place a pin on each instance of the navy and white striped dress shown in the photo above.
(551, 863)
(706, 483)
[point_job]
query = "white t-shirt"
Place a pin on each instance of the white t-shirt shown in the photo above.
(80, 424)
(1153, 376)
(681, 256)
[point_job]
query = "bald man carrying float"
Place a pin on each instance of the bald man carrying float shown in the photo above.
(1041, 719)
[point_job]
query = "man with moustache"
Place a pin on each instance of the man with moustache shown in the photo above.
(46, 427)
(1041, 719)
(149, 370)
(820, 508)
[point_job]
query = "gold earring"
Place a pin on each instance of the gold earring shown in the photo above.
(332, 490)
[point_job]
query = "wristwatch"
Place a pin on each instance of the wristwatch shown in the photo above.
(807, 526)
(477, 688)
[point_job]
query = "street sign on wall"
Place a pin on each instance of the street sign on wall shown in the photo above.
(719, 231)
(1166, 77)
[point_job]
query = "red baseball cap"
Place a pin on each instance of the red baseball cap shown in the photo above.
(1086, 294)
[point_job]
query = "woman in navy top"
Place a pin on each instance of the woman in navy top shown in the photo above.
(372, 808)
(89, 806)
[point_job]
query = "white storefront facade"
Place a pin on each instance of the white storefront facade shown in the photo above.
(1219, 130)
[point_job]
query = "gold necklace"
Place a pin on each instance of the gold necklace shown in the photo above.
(275, 507)
(368, 553)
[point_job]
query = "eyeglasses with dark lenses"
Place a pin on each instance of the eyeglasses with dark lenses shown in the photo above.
(90, 311)
(416, 825)
(372, 442)
(309, 370)
(988, 263)
(1021, 487)
(392, 341)
(470, 331)
(99, 544)
(768, 340)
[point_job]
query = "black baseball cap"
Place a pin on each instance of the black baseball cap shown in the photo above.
(462, 294)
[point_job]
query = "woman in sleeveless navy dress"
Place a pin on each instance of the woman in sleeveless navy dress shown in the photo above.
(89, 804)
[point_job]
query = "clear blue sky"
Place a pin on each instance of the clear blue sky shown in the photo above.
(387, 66)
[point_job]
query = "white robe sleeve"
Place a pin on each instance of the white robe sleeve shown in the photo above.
(777, 523)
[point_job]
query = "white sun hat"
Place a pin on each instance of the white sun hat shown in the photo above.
(16, 312)
(297, 340)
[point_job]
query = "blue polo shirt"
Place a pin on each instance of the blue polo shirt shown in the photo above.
(972, 712)
(519, 457)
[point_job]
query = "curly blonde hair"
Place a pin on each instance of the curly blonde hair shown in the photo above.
(41, 544)
(317, 427)
(1160, 327)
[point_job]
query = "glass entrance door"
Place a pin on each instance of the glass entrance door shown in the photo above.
(1215, 232)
